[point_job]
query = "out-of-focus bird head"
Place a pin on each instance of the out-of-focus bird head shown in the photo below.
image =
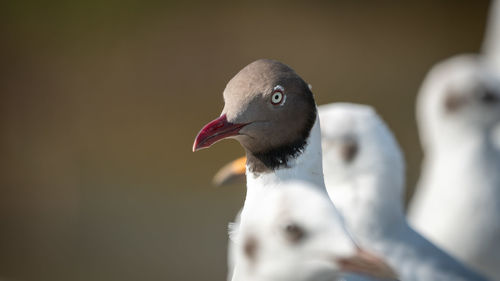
(292, 233)
(459, 96)
(361, 157)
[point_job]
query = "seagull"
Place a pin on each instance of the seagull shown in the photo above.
(292, 233)
(364, 175)
(457, 201)
(271, 112)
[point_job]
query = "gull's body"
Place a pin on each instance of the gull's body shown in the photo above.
(364, 174)
(457, 201)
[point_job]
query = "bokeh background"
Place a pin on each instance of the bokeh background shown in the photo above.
(101, 100)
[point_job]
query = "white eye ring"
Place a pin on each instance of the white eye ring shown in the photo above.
(278, 97)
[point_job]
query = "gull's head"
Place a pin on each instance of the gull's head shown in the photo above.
(268, 108)
(460, 95)
(292, 233)
(359, 150)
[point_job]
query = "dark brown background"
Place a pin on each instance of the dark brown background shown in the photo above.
(101, 100)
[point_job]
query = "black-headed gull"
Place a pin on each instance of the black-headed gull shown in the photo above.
(271, 111)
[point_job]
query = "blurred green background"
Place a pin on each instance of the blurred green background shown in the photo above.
(101, 101)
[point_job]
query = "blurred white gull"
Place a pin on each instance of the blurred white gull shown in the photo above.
(457, 201)
(292, 233)
(364, 175)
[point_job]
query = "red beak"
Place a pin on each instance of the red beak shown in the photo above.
(215, 131)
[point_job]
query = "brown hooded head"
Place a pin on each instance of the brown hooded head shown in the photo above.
(269, 109)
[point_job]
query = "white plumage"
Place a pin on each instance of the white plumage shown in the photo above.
(364, 175)
(293, 232)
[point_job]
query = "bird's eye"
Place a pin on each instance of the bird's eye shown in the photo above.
(278, 97)
(488, 97)
(294, 232)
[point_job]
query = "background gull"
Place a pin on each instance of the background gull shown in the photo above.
(457, 201)
(364, 175)
(293, 233)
